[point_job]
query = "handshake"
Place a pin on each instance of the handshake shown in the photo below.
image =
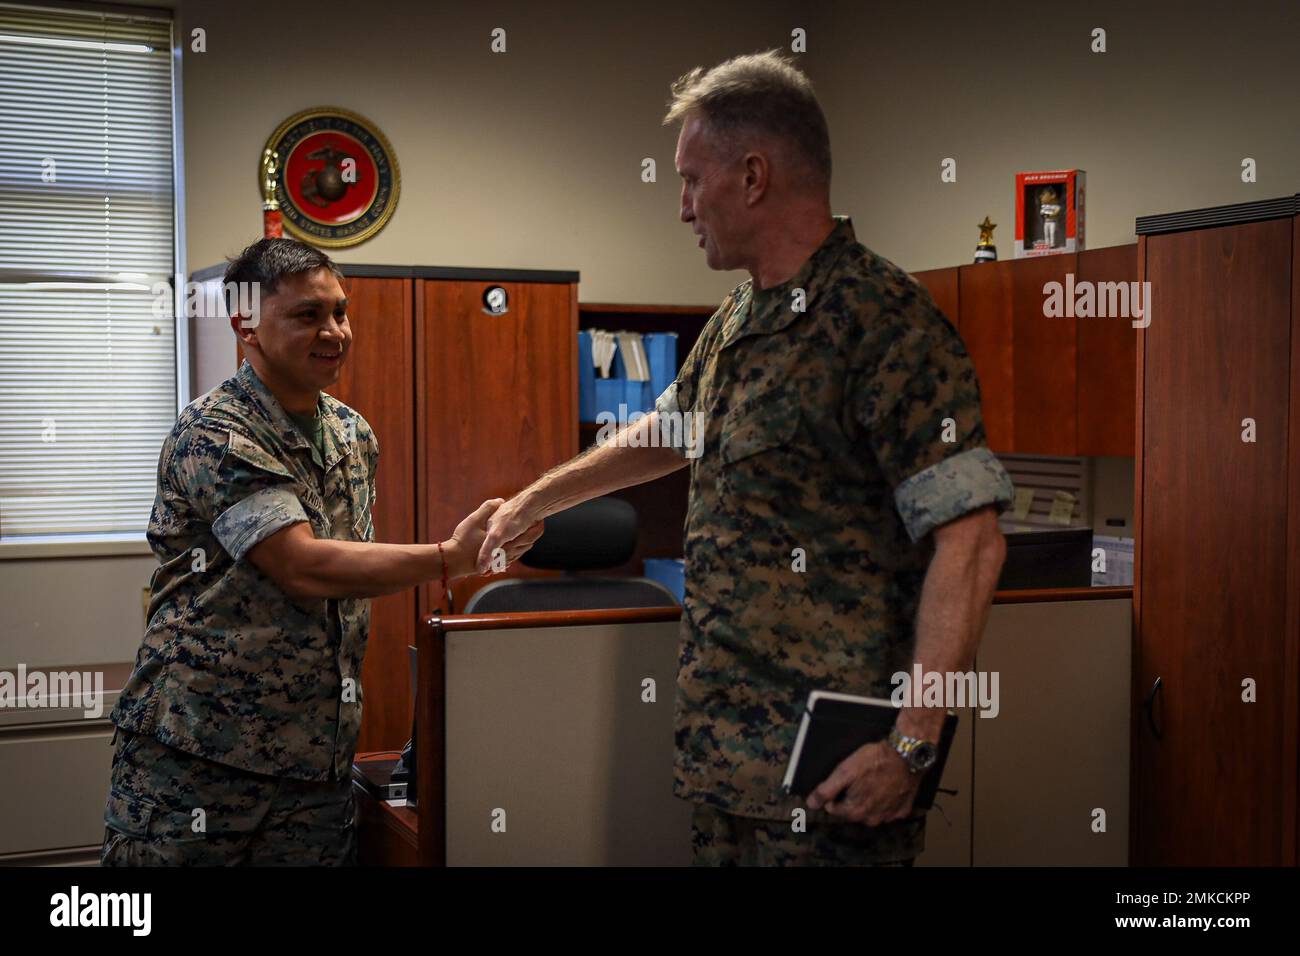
(492, 538)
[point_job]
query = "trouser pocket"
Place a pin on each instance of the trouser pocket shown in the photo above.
(126, 828)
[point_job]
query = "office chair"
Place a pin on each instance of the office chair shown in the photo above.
(596, 534)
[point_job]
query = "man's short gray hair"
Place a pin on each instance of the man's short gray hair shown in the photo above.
(758, 92)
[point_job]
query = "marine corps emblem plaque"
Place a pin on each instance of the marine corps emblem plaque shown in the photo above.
(338, 180)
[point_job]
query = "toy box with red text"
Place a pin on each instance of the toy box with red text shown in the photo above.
(1049, 212)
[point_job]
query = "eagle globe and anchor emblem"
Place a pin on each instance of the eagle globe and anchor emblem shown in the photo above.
(334, 177)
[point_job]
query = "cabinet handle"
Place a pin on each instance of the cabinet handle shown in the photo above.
(1150, 705)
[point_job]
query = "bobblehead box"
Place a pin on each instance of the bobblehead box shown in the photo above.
(1049, 212)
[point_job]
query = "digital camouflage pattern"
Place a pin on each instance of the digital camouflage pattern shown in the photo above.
(723, 839)
(232, 669)
(823, 443)
(245, 818)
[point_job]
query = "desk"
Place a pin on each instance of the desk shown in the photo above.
(519, 712)
(386, 835)
(540, 714)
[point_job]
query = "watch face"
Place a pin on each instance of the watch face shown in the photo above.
(923, 756)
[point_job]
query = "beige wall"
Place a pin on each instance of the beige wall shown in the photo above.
(1160, 122)
(531, 159)
(527, 159)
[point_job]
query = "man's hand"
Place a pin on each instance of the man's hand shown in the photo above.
(462, 548)
(877, 787)
(513, 527)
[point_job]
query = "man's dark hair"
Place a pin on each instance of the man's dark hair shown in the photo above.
(267, 261)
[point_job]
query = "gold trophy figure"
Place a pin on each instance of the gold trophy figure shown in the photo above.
(272, 226)
(985, 251)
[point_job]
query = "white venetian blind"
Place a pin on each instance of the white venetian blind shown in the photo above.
(87, 351)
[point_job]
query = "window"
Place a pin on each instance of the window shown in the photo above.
(88, 350)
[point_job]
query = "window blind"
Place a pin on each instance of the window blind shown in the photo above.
(87, 235)
(1046, 476)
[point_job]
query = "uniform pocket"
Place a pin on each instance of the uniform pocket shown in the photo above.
(250, 453)
(363, 528)
(128, 814)
(766, 421)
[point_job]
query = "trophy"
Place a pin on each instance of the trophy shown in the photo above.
(272, 227)
(985, 251)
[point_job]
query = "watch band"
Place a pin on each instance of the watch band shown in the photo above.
(907, 748)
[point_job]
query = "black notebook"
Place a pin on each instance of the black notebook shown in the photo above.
(835, 725)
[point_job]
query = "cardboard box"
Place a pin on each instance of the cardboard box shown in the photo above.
(1049, 212)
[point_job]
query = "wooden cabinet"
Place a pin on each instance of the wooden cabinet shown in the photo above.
(378, 381)
(942, 284)
(1107, 361)
(497, 402)
(1050, 385)
(1217, 597)
(1024, 360)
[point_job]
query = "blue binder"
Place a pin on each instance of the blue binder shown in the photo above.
(586, 380)
(607, 394)
(661, 350)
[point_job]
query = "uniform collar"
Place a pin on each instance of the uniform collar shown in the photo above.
(338, 435)
(770, 310)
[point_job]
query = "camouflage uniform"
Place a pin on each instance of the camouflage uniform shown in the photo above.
(822, 443)
(724, 839)
(233, 671)
(167, 807)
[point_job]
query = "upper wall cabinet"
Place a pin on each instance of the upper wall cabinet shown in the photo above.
(1051, 384)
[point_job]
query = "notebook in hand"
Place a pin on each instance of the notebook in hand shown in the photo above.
(835, 725)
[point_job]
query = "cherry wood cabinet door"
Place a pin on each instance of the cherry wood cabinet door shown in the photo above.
(1025, 359)
(378, 381)
(497, 401)
(943, 284)
(1214, 776)
(1107, 377)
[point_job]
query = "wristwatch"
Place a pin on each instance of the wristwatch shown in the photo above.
(918, 754)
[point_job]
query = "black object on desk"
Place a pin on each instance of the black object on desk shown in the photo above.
(1047, 558)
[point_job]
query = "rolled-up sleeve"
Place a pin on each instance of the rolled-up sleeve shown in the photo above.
(953, 487)
(230, 480)
(667, 407)
(253, 519)
(667, 402)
